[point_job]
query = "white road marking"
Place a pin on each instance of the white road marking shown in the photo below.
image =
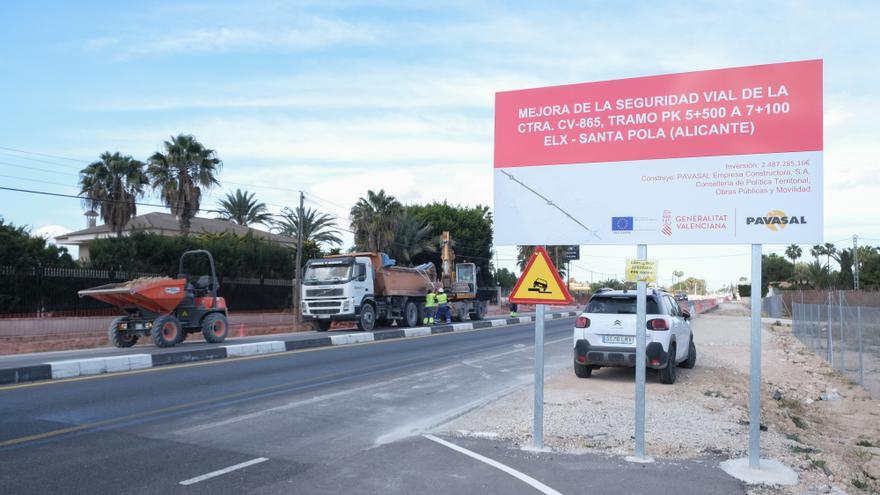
(220, 472)
(497, 465)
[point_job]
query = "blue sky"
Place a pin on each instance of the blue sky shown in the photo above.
(337, 97)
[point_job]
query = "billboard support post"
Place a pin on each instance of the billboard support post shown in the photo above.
(539, 376)
(755, 366)
(641, 325)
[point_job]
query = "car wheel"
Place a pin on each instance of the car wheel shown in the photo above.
(582, 370)
(667, 374)
(691, 360)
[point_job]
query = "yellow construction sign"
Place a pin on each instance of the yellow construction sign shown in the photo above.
(540, 282)
(641, 270)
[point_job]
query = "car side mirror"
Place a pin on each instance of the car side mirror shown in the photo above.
(362, 273)
(686, 314)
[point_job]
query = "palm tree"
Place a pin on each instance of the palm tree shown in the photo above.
(829, 252)
(243, 209)
(524, 254)
(676, 274)
(412, 238)
(818, 274)
(317, 227)
(182, 173)
(112, 185)
(793, 252)
(374, 220)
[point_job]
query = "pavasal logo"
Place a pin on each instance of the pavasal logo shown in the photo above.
(776, 220)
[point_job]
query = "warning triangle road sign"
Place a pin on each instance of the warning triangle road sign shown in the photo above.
(540, 282)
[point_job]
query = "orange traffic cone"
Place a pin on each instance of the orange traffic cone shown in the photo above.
(241, 330)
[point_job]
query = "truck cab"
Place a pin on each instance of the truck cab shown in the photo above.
(335, 289)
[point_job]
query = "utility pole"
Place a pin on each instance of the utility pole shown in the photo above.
(856, 262)
(297, 286)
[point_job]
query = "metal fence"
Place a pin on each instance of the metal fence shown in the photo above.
(774, 307)
(847, 337)
(40, 292)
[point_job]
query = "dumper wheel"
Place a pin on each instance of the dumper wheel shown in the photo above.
(215, 328)
(166, 331)
(121, 339)
(410, 315)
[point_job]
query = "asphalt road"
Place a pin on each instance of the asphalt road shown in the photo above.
(328, 420)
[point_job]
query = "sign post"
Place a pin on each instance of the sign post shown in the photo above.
(755, 363)
(538, 420)
(641, 271)
(539, 284)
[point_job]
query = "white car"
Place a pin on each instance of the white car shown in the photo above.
(605, 334)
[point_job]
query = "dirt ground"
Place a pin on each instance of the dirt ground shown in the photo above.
(818, 423)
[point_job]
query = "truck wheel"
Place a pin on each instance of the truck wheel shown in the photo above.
(322, 325)
(667, 374)
(215, 328)
(367, 321)
(410, 315)
(121, 339)
(165, 332)
(479, 311)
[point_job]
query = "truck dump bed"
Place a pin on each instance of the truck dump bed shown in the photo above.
(155, 294)
(397, 280)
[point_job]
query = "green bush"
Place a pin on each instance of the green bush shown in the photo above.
(235, 256)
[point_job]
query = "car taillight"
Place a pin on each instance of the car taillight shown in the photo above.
(658, 324)
(582, 322)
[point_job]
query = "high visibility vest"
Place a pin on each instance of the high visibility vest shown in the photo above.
(442, 299)
(430, 300)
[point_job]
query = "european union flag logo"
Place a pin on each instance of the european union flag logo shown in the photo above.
(621, 224)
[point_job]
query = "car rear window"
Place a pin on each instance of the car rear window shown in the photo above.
(625, 305)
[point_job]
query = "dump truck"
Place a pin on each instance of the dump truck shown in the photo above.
(166, 309)
(369, 289)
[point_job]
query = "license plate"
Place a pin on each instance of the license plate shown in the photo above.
(618, 339)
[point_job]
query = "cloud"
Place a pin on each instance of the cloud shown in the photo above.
(303, 33)
(388, 87)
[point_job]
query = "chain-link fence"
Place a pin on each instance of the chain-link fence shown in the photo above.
(774, 307)
(848, 337)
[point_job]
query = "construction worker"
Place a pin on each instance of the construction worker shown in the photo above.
(513, 308)
(443, 312)
(430, 306)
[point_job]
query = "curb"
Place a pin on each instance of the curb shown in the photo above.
(95, 366)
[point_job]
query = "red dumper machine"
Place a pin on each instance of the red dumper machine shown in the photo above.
(166, 309)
